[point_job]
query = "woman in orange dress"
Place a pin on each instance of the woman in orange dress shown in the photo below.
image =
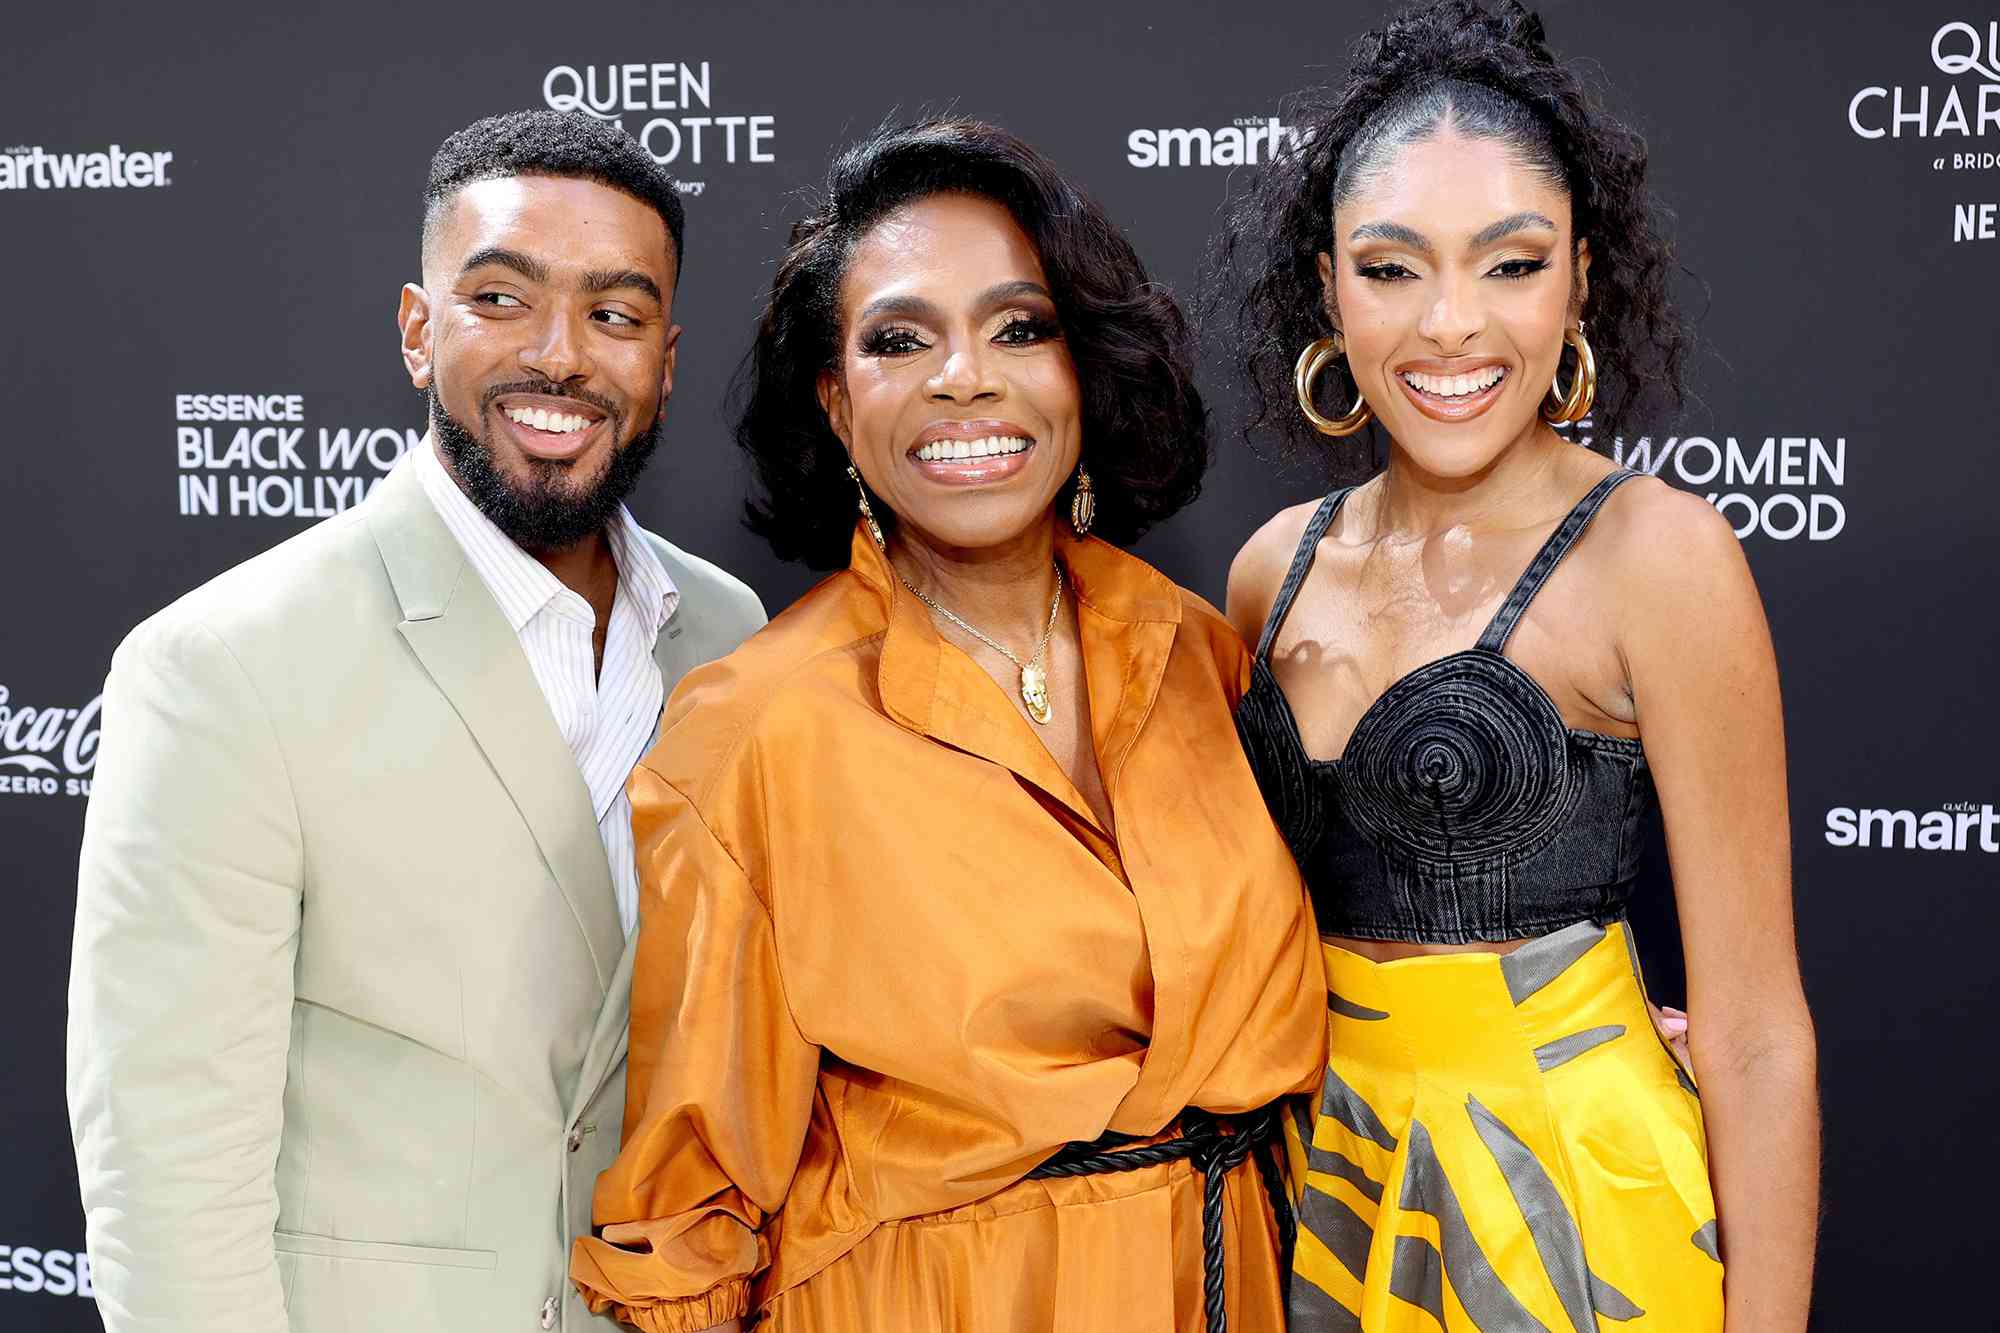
(971, 969)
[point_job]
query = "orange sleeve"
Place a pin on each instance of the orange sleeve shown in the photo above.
(1232, 658)
(719, 1088)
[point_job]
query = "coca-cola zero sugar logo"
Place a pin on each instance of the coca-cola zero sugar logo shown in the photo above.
(47, 751)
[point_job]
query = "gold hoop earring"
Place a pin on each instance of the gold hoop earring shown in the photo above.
(874, 528)
(1317, 357)
(1566, 407)
(1082, 504)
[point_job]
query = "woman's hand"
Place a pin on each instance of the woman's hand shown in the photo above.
(1672, 1025)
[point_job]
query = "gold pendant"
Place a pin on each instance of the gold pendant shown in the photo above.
(1035, 692)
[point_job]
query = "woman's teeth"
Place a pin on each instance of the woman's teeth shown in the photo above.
(938, 451)
(1455, 386)
(556, 423)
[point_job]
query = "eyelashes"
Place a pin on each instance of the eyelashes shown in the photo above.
(890, 340)
(902, 340)
(1383, 272)
(1028, 329)
(1389, 271)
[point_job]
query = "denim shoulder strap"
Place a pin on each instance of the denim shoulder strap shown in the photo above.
(1302, 560)
(1545, 561)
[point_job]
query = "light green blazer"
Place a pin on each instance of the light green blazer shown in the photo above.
(348, 995)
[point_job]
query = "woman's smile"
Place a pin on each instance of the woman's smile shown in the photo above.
(971, 453)
(1452, 390)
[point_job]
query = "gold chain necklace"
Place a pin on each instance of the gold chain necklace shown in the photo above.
(1034, 678)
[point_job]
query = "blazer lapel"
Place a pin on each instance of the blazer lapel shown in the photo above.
(455, 628)
(674, 650)
(608, 1040)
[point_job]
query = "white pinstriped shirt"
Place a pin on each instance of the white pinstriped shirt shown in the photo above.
(610, 718)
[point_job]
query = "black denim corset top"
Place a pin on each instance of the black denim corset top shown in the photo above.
(1463, 808)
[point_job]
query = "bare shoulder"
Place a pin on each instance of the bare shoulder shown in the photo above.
(1259, 568)
(1673, 562)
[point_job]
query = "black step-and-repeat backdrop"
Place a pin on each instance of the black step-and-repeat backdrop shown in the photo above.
(207, 215)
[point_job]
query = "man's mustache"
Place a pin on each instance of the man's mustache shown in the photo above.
(549, 388)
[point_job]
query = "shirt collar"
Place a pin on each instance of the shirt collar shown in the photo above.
(640, 574)
(521, 584)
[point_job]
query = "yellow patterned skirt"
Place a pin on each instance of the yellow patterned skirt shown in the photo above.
(1502, 1143)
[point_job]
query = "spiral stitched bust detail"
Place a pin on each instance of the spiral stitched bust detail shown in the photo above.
(1463, 758)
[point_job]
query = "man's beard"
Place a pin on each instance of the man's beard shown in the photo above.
(543, 514)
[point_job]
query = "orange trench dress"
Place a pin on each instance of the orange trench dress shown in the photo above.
(888, 964)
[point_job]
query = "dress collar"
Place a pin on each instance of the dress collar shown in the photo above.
(1127, 616)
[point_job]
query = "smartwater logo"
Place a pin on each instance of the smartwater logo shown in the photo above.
(1244, 142)
(1959, 826)
(1781, 487)
(113, 169)
(26, 1268)
(47, 751)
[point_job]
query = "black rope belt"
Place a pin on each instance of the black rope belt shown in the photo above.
(1215, 1145)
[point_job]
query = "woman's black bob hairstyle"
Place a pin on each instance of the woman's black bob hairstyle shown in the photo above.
(1491, 73)
(1145, 433)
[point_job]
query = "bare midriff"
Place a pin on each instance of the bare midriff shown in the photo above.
(1388, 951)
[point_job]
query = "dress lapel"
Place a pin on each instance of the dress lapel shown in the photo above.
(455, 628)
(933, 688)
(1128, 615)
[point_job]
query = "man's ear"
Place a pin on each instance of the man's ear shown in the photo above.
(833, 401)
(672, 360)
(413, 317)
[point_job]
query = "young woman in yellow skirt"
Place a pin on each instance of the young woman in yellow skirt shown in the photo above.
(1477, 676)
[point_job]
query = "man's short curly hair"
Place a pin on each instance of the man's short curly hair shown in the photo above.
(1492, 74)
(552, 143)
(1145, 432)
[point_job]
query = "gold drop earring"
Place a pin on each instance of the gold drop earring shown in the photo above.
(874, 528)
(1082, 504)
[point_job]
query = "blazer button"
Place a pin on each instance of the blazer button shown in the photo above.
(549, 1313)
(575, 1138)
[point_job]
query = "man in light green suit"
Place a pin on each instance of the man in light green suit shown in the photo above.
(349, 991)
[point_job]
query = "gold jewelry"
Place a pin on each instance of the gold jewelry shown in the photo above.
(1317, 357)
(874, 528)
(1562, 408)
(1034, 678)
(1082, 504)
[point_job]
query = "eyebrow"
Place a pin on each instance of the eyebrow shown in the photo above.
(908, 307)
(608, 280)
(1397, 233)
(1012, 291)
(916, 307)
(1507, 226)
(1392, 231)
(526, 265)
